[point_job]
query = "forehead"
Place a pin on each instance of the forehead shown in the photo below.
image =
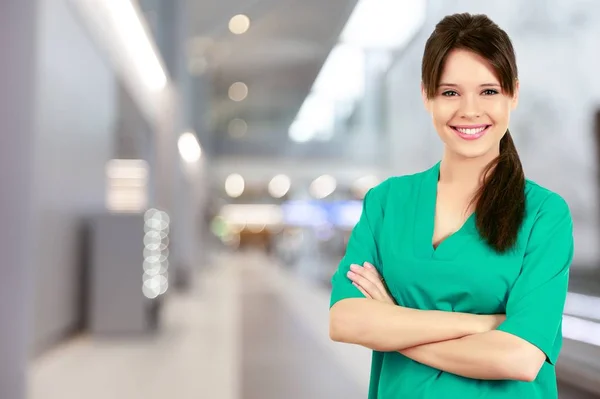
(467, 68)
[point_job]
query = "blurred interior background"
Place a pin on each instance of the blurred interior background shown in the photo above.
(180, 178)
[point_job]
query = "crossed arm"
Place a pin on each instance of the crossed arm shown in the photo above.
(460, 343)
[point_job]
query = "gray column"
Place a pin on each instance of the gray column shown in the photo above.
(160, 20)
(17, 76)
(185, 235)
(167, 20)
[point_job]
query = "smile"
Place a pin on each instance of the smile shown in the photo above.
(472, 132)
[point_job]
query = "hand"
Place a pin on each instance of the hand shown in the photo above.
(490, 322)
(483, 323)
(367, 280)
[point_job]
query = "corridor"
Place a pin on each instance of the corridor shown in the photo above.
(248, 330)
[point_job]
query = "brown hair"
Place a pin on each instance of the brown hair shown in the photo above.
(500, 201)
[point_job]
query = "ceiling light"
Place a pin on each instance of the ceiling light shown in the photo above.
(239, 24)
(315, 119)
(322, 186)
(300, 131)
(128, 25)
(279, 186)
(338, 87)
(234, 185)
(384, 24)
(342, 76)
(238, 91)
(189, 148)
(237, 128)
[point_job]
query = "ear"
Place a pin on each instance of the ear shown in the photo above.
(515, 99)
(426, 100)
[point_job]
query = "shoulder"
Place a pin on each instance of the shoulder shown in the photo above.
(547, 217)
(540, 201)
(548, 226)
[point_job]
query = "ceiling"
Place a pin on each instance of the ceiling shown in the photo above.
(278, 58)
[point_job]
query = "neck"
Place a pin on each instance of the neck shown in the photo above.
(467, 172)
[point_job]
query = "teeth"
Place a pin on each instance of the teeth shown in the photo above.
(471, 131)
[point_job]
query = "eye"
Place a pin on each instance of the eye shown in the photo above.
(449, 93)
(490, 92)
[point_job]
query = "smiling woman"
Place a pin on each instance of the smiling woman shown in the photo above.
(483, 103)
(457, 276)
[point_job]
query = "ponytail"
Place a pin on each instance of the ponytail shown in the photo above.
(501, 199)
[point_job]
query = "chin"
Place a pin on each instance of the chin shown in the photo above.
(471, 153)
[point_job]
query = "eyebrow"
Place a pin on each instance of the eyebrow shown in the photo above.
(482, 85)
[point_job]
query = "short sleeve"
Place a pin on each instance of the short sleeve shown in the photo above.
(362, 247)
(537, 299)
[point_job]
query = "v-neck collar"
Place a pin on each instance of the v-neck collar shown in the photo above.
(449, 248)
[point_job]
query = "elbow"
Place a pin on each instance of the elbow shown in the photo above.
(336, 324)
(342, 322)
(523, 364)
(526, 373)
(347, 324)
(334, 331)
(530, 370)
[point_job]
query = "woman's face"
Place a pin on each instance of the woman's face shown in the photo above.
(469, 110)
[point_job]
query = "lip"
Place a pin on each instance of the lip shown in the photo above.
(470, 136)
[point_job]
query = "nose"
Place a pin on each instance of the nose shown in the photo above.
(470, 107)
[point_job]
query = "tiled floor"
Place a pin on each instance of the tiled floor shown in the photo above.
(249, 330)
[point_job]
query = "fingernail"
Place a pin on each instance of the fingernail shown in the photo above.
(354, 267)
(368, 265)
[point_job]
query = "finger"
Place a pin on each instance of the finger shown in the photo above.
(377, 280)
(368, 265)
(363, 282)
(372, 269)
(377, 277)
(371, 275)
(373, 291)
(380, 282)
(358, 278)
(365, 293)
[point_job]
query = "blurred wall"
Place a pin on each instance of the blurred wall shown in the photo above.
(553, 127)
(17, 20)
(76, 101)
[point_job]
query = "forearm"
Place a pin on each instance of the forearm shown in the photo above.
(383, 327)
(493, 355)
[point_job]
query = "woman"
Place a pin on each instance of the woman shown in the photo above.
(456, 277)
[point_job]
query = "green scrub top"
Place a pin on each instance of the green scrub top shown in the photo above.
(463, 274)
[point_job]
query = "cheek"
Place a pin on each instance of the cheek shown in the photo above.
(442, 112)
(500, 112)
